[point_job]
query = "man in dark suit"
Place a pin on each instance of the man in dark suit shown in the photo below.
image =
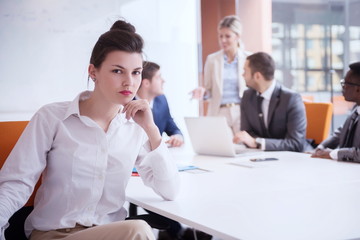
(273, 117)
(151, 88)
(344, 143)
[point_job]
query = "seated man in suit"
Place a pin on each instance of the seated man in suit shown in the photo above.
(344, 143)
(273, 117)
(151, 88)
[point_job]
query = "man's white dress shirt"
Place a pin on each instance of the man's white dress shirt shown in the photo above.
(84, 169)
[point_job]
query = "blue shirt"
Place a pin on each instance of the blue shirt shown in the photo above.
(231, 82)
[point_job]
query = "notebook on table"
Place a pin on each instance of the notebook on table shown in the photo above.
(212, 136)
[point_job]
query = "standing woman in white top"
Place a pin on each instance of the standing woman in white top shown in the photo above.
(85, 151)
(223, 81)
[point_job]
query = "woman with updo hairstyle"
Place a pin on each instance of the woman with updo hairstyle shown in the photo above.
(85, 151)
(224, 84)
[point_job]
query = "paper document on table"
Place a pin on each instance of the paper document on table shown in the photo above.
(258, 162)
(181, 168)
(191, 169)
(198, 170)
(243, 163)
(186, 167)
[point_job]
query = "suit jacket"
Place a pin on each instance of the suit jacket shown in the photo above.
(286, 120)
(337, 139)
(163, 118)
(213, 78)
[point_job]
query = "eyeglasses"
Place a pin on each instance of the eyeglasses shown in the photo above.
(343, 83)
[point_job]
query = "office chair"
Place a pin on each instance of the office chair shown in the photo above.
(318, 117)
(9, 134)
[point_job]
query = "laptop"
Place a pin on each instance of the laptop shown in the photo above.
(212, 136)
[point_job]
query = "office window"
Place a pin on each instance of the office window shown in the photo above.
(318, 39)
(299, 75)
(354, 43)
(312, 44)
(297, 53)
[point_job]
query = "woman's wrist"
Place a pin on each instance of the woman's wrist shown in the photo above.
(153, 133)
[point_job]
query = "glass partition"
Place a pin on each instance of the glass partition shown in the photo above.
(313, 43)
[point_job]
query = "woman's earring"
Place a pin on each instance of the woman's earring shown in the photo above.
(94, 79)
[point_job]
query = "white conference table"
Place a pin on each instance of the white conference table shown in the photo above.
(296, 197)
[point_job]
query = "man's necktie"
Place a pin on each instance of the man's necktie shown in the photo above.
(351, 130)
(261, 115)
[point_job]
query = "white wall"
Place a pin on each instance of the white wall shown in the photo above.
(45, 48)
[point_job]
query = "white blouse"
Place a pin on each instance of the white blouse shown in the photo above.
(84, 169)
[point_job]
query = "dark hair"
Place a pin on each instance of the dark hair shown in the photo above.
(122, 25)
(263, 63)
(122, 37)
(149, 70)
(355, 70)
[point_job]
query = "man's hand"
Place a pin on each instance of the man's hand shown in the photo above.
(244, 137)
(322, 153)
(175, 140)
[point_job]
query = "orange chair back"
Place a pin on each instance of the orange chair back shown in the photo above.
(318, 117)
(9, 134)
